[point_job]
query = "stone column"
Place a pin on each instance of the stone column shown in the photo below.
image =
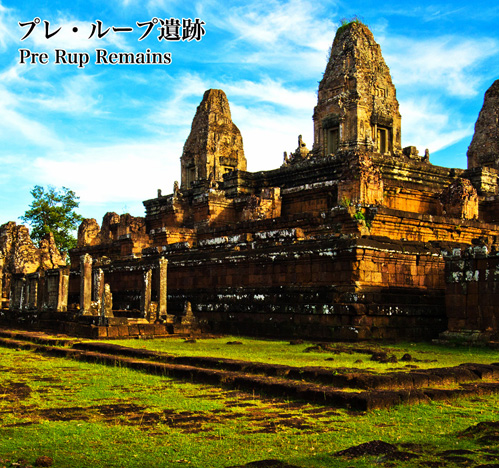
(85, 284)
(188, 322)
(62, 296)
(145, 299)
(162, 287)
(98, 288)
(42, 294)
(27, 289)
(17, 286)
(32, 282)
(106, 302)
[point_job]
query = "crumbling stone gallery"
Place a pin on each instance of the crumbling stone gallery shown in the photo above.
(355, 237)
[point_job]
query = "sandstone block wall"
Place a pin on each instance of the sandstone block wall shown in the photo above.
(472, 294)
(333, 289)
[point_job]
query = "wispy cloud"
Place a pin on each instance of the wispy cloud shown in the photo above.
(281, 33)
(271, 22)
(272, 91)
(446, 63)
(100, 173)
(14, 74)
(7, 33)
(155, 7)
(75, 95)
(426, 124)
(14, 124)
(176, 108)
(482, 12)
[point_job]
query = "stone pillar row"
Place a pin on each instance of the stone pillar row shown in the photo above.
(102, 305)
(40, 291)
(151, 310)
(48, 290)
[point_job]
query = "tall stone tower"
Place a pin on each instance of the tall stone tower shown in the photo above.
(484, 148)
(215, 144)
(357, 105)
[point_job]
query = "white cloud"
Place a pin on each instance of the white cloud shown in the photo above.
(7, 34)
(14, 74)
(287, 35)
(274, 92)
(268, 133)
(14, 125)
(150, 5)
(178, 106)
(445, 63)
(127, 172)
(273, 22)
(74, 95)
(426, 125)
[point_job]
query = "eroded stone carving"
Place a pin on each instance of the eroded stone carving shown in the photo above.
(106, 302)
(88, 233)
(265, 206)
(460, 200)
(215, 144)
(361, 181)
(21, 256)
(484, 148)
(357, 105)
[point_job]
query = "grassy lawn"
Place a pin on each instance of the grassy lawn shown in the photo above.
(88, 415)
(282, 352)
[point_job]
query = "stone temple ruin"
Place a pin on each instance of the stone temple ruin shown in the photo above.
(355, 238)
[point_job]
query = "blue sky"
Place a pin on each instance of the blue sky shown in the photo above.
(114, 133)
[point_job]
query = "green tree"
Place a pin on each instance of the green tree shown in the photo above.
(53, 211)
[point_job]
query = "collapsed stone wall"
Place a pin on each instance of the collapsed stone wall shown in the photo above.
(19, 255)
(114, 227)
(120, 236)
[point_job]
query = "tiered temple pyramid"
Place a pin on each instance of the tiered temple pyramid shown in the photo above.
(354, 238)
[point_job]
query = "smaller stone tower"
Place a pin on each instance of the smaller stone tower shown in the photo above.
(357, 105)
(484, 148)
(215, 144)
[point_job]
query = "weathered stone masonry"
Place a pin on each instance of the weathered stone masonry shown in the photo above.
(472, 296)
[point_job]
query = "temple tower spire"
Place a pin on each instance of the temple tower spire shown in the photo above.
(357, 105)
(215, 144)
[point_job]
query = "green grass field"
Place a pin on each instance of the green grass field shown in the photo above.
(90, 415)
(282, 352)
